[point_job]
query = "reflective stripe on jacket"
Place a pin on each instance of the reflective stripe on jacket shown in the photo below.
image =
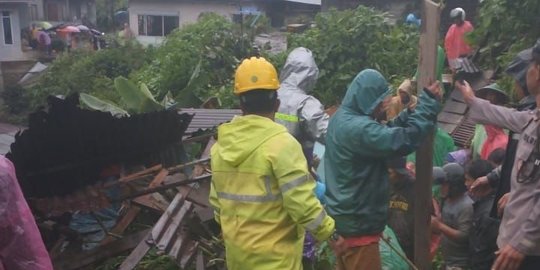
(302, 114)
(263, 195)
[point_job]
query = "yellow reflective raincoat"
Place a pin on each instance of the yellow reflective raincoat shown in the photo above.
(263, 195)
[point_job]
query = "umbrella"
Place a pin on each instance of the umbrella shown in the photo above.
(83, 28)
(43, 24)
(69, 29)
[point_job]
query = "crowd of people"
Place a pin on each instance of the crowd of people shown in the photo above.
(267, 196)
(485, 211)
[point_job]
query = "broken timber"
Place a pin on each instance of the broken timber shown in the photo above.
(427, 71)
(167, 236)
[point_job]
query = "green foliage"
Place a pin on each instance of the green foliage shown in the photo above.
(346, 42)
(100, 105)
(104, 15)
(505, 26)
(86, 72)
(137, 99)
(210, 45)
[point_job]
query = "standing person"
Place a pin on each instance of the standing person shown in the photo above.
(261, 189)
(456, 221)
(519, 233)
(483, 236)
(302, 114)
(358, 146)
(405, 99)
(21, 247)
(454, 43)
(487, 137)
(500, 177)
(45, 41)
(400, 212)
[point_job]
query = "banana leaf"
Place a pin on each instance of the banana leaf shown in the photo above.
(136, 99)
(97, 104)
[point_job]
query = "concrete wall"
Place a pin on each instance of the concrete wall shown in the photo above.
(188, 12)
(12, 52)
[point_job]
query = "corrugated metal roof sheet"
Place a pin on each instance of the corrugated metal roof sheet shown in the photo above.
(309, 2)
(209, 118)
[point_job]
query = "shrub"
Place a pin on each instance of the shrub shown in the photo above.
(345, 42)
(205, 53)
(87, 72)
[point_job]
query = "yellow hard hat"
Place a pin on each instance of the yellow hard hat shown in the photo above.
(255, 73)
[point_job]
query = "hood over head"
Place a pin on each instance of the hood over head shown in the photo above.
(366, 91)
(300, 71)
(244, 134)
(518, 68)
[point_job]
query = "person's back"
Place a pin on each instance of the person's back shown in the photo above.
(302, 114)
(457, 214)
(483, 236)
(358, 145)
(21, 246)
(261, 190)
(454, 41)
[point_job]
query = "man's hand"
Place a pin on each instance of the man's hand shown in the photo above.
(480, 187)
(435, 224)
(338, 246)
(501, 204)
(435, 90)
(508, 258)
(466, 90)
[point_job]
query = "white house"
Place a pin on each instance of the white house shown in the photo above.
(152, 20)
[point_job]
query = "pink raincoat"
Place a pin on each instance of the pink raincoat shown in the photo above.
(454, 43)
(21, 246)
(496, 138)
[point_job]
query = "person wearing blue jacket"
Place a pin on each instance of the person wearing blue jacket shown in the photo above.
(358, 145)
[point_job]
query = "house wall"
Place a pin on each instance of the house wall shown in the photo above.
(188, 12)
(12, 52)
(58, 11)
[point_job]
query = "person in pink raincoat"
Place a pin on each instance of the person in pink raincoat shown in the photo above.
(454, 42)
(21, 246)
(489, 137)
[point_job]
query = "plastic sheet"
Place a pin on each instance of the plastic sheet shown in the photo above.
(21, 246)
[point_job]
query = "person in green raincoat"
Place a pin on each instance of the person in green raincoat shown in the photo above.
(358, 147)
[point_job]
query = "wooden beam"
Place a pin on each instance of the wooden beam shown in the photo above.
(424, 156)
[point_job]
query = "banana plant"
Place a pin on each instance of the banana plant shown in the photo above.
(135, 99)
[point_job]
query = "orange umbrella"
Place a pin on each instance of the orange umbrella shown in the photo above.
(69, 29)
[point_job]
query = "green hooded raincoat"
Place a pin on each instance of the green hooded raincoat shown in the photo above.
(357, 148)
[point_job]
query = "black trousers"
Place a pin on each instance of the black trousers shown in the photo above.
(530, 263)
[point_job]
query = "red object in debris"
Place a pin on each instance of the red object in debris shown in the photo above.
(21, 246)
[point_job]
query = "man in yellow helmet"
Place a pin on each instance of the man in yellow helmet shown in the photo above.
(261, 189)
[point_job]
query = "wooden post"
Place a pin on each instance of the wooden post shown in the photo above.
(426, 74)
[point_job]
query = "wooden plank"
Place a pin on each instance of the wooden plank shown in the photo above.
(199, 263)
(457, 96)
(157, 230)
(122, 225)
(99, 254)
(455, 107)
(137, 254)
(133, 211)
(141, 173)
(165, 242)
(427, 73)
(450, 118)
(188, 255)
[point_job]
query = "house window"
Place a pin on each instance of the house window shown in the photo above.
(157, 25)
(8, 33)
